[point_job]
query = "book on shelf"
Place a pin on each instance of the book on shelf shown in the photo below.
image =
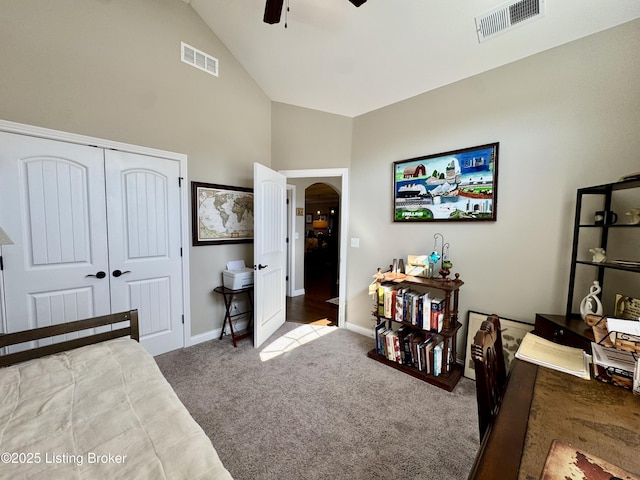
(391, 312)
(379, 335)
(389, 335)
(416, 340)
(404, 335)
(425, 317)
(423, 353)
(399, 317)
(428, 355)
(437, 357)
(381, 300)
(407, 355)
(437, 314)
(548, 354)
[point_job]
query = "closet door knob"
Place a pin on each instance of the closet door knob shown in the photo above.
(100, 274)
(117, 273)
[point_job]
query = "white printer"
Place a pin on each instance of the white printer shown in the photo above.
(237, 275)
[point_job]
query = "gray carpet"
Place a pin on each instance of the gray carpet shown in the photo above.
(323, 410)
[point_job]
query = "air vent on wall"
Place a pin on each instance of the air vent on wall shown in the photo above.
(508, 16)
(198, 59)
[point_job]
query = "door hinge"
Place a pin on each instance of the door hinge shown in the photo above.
(286, 278)
(183, 319)
(287, 240)
(180, 181)
(180, 251)
(287, 201)
(1, 264)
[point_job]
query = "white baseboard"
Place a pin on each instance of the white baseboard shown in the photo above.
(297, 293)
(215, 334)
(367, 332)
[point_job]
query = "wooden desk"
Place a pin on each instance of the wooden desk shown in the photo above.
(228, 295)
(540, 405)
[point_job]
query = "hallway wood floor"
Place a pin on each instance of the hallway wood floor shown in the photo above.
(313, 304)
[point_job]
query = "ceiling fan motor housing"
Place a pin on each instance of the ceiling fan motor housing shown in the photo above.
(273, 10)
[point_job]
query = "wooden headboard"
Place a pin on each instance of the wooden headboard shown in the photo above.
(131, 317)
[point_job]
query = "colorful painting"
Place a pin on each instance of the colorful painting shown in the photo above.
(461, 185)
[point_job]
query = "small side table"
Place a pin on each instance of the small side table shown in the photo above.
(228, 296)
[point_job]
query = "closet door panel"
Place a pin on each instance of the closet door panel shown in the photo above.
(143, 201)
(54, 211)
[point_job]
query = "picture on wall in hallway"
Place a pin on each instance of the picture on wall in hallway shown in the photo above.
(461, 185)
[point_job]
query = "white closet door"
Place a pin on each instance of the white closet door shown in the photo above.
(143, 205)
(53, 208)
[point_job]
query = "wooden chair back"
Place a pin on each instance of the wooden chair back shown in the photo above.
(491, 377)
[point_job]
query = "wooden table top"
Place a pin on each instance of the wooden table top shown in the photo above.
(541, 405)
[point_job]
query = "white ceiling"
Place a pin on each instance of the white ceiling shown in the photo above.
(340, 59)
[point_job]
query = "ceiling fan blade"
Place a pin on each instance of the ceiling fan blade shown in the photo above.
(357, 3)
(273, 11)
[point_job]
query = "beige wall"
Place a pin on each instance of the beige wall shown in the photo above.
(308, 139)
(565, 118)
(112, 69)
(304, 138)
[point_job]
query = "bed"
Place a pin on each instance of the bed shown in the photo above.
(94, 407)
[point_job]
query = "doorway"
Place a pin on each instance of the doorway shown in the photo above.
(301, 179)
(321, 255)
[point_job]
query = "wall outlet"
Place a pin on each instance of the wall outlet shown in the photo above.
(355, 242)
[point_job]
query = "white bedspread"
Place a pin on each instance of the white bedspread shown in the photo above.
(102, 411)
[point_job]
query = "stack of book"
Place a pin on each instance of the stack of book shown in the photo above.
(426, 351)
(410, 306)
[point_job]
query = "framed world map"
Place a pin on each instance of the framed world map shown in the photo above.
(221, 214)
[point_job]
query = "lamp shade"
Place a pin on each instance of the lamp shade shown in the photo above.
(4, 238)
(320, 224)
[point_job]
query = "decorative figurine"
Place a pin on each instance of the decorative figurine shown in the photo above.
(446, 269)
(634, 216)
(599, 255)
(591, 305)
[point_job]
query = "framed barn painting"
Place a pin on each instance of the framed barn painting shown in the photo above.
(513, 332)
(221, 214)
(461, 185)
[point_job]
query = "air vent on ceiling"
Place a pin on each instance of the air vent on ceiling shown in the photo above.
(508, 16)
(198, 59)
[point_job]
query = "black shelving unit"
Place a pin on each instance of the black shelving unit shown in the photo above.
(606, 192)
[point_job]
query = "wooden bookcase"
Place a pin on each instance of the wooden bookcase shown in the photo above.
(451, 370)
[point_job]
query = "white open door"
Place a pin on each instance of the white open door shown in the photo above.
(269, 252)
